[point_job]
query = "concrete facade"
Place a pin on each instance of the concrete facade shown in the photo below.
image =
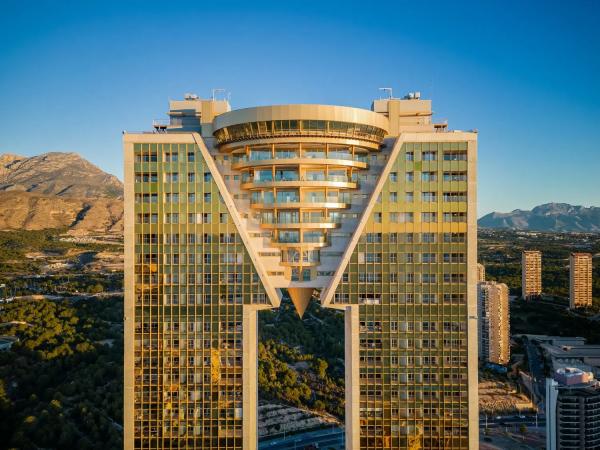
(370, 212)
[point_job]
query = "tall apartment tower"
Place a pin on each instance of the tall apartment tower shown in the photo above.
(494, 322)
(480, 272)
(580, 280)
(531, 274)
(372, 212)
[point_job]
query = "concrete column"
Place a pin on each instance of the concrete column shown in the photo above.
(129, 308)
(351, 336)
(250, 378)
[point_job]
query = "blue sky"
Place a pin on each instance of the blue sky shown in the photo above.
(73, 75)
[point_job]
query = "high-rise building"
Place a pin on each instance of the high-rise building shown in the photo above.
(480, 272)
(531, 274)
(494, 322)
(580, 280)
(572, 410)
(370, 212)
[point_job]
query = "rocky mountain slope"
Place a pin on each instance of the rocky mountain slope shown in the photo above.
(547, 217)
(59, 190)
(61, 174)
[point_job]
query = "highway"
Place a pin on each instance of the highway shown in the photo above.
(330, 438)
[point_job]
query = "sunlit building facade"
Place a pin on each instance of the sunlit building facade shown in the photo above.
(531, 274)
(494, 322)
(580, 280)
(371, 212)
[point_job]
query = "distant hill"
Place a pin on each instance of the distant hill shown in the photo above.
(57, 190)
(62, 174)
(547, 217)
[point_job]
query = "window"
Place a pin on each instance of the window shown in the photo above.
(429, 156)
(374, 237)
(455, 196)
(207, 177)
(207, 197)
(454, 257)
(409, 197)
(393, 177)
(429, 278)
(393, 197)
(428, 196)
(428, 238)
(429, 176)
(454, 237)
(207, 258)
(172, 197)
(206, 217)
(428, 217)
(171, 157)
(454, 278)
(207, 238)
(172, 177)
(455, 155)
(393, 257)
(223, 218)
(455, 176)
(455, 217)
(410, 258)
(429, 257)
(191, 156)
(172, 218)
(191, 177)
(409, 156)
(191, 197)
(377, 217)
(430, 299)
(410, 177)
(393, 238)
(393, 277)
(146, 177)
(406, 217)
(372, 257)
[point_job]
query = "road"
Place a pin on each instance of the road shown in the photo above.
(536, 370)
(510, 421)
(330, 438)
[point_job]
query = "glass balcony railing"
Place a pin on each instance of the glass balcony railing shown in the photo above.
(293, 155)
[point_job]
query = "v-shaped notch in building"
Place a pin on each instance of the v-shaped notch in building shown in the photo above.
(300, 208)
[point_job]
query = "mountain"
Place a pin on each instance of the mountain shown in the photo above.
(59, 190)
(547, 217)
(61, 174)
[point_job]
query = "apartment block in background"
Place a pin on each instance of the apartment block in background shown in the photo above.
(494, 322)
(580, 280)
(480, 272)
(372, 212)
(531, 274)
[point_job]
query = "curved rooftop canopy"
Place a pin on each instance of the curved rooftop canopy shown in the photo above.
(300, 120)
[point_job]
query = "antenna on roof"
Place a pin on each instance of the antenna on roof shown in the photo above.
(388, 90)
(215, 91)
